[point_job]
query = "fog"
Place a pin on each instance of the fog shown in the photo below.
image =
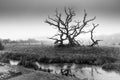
(22, 19)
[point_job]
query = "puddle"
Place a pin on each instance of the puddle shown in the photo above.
(88, 73)
(97, 73)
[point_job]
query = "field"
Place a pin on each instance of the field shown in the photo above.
(106, 57)
(99, 56)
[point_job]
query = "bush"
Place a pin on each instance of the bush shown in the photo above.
(111, 67)
(1, 46)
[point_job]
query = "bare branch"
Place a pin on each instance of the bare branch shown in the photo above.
(66, 11)
(81, 27)
(85, 15)
(69, 15)
(95, 42)
(55, 20)
(94, 26)
(66, 30)
(50, 23)
(55, 35)
(91, 19)
(84, 19)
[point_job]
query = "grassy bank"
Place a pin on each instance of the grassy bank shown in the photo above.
(49, 54)
(43, 76)
(112, 66)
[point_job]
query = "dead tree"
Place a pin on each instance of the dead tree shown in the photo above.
(94, 42)
(58, 42)
(66, 31)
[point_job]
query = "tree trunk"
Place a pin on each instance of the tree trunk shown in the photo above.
(61, 43)
(71, 41)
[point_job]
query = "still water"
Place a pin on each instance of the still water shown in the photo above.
(87, 73)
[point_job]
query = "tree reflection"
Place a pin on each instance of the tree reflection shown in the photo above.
(93, 71)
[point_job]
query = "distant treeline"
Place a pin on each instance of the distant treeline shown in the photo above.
(6, 41)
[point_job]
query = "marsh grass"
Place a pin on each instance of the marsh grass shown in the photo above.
(50, 54)
(112, 67)
(1, 46)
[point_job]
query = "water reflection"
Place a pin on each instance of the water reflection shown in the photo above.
(87, 73)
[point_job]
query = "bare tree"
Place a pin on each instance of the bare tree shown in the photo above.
(94, 42)
(67, 31)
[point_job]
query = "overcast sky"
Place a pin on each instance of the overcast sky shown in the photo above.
(22, 19)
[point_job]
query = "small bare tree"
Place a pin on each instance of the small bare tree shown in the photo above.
(66, 31)
(94, 42)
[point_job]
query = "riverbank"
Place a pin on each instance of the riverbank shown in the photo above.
(42, 76)
(10, 72)
(112, 67)
(27, 55)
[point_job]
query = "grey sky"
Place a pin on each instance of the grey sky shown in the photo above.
(25, 18)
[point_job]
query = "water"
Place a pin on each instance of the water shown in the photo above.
(82, 72)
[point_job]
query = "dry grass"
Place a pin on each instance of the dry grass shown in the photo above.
(103, 56)
(52, 52)
(49, 54)
(43, 76)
